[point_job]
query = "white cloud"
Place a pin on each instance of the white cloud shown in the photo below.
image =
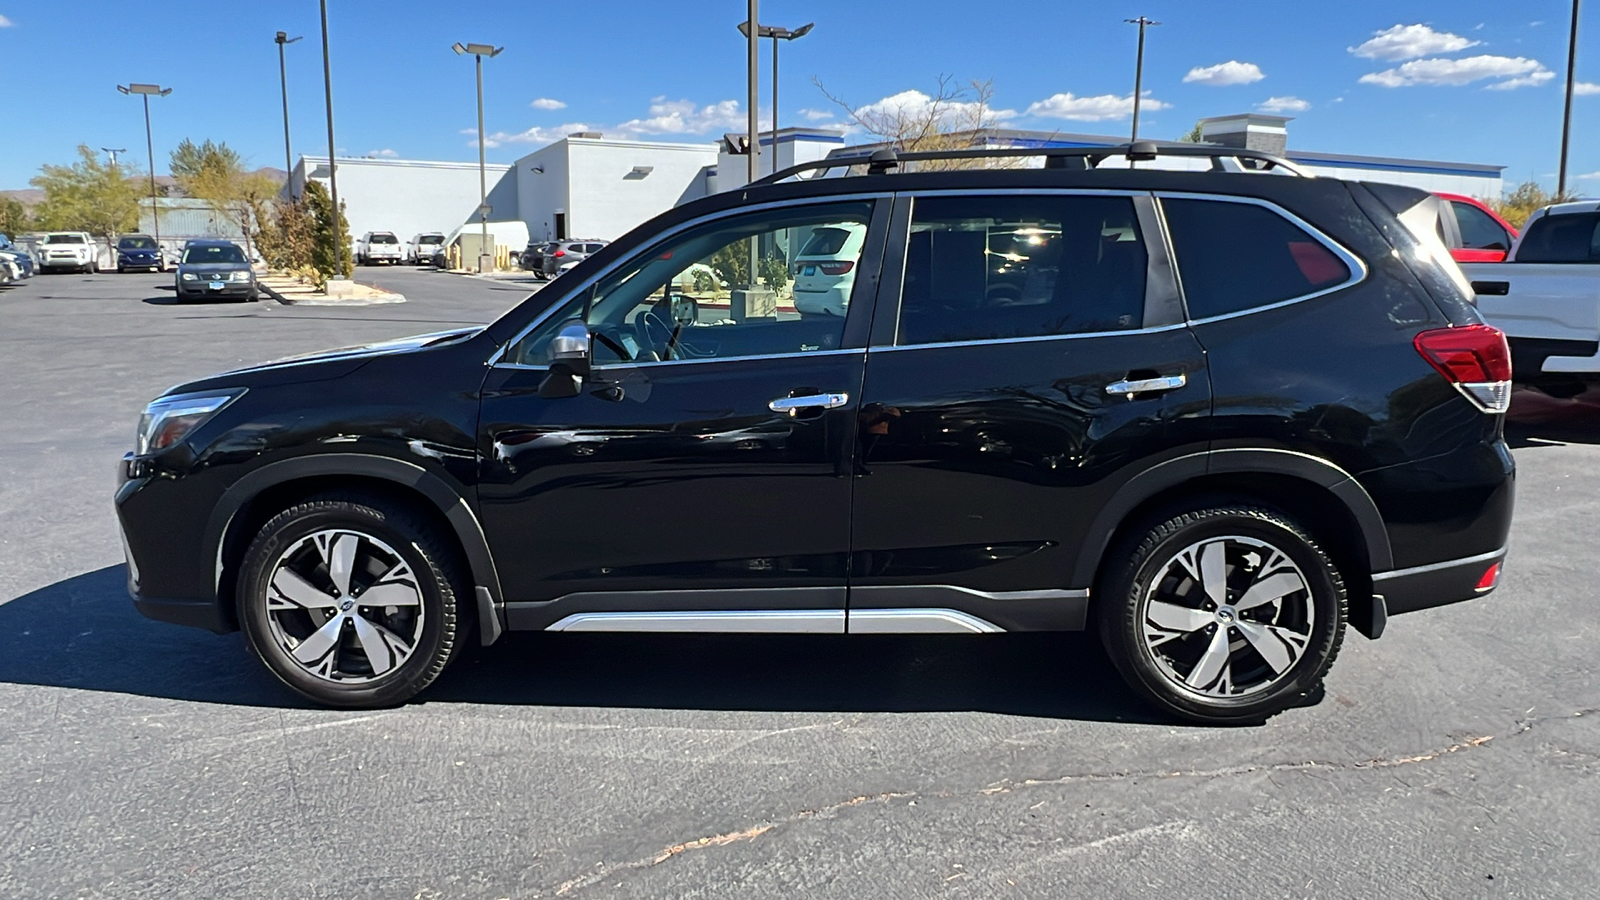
(685, 117)
(1585, 88)
(1222, 74)
(383, 154)
(814, 115)
(531, 136)
(6, 23)
(1093, 109)
(1410, 42)
(547, 103)
(914, 105)
(1283, 104)
(1518, 71)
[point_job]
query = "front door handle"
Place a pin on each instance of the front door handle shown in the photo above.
(1143, 385)
(792, 405)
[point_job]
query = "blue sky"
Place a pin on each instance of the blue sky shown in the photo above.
(1462, 81)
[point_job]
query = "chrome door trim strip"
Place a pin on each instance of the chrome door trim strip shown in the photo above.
(1029, 340)
(918, 621)
(609, 367)
(757, 621)
(1435, 567)
(495, 358)
(907, 590)
(1358, 268)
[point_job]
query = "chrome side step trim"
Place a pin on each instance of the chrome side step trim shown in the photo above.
(1447, 564)
(758, 621)
(918, 621)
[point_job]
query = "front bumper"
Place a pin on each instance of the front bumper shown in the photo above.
(162, 561)
(228, 289)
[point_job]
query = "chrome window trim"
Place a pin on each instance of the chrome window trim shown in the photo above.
(710, 359)
(1358, 268)
(1439, 566)
(1029, 340)
(1027, 192)
(495, 359)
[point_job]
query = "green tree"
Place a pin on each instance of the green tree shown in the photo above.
(14, 218)
(207, 171)
(1192, 136)
(88, 196)
(325, 231)
(1521, 203)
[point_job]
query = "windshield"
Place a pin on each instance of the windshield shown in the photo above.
(431, 239)
(213, 254)
(64, 239)
(136, 243)
(384, 239)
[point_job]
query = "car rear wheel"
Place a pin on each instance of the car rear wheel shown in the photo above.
(1223, 615)
(351, 601)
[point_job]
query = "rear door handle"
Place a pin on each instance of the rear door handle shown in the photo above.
(792, 405)
(1491, 288)
(1143, 385)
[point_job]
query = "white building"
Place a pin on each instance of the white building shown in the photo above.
(411, 196)
(585, 186)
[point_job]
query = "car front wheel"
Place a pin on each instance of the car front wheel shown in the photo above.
(1223, 615)
(351, 601)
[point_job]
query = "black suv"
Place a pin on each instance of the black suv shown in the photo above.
(1214, 415)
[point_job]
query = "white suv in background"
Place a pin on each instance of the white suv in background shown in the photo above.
(825, 269)
(378, 247)
(74, 250)
(421, 247)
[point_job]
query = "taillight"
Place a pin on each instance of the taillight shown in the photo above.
(1474, 358)
(835, 269)
(1489, 580)
(559, 253)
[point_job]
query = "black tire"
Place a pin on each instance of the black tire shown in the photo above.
(1152, 655)
(432, 570)
(122, 270)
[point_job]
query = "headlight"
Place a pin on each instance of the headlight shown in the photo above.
(239, 276)
(166, 421)
(188, 276)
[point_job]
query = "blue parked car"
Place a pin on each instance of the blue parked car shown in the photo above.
(139, 251)
(17, 254)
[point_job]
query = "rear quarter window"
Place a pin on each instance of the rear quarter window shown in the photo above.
(1563, 238)
(1236, 256)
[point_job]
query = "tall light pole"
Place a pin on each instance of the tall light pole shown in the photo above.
(479, 51)
(777, 34)
(1138, 71)
(283, 80)
(753, 75)
(1566, 117)
(112, 152)
(145, 91)
(333, 170)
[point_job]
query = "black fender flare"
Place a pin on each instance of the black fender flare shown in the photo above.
(463, 521)
(1174, 472)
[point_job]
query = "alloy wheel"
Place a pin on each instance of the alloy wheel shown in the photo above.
(345, 606)
(1228, 617)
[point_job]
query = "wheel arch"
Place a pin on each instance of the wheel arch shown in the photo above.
(1325, 498)
(247, 505)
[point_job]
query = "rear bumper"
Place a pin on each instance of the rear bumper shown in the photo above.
(1424, 587)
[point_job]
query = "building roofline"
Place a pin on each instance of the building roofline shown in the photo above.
(408, 163)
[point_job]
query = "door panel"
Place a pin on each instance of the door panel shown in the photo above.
(671, 477)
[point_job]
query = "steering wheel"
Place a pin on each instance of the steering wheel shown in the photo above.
(664, 322)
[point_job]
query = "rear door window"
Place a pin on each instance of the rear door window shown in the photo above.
(1479, 230)
(997, 267)
(1564, 238)
(1236, 256)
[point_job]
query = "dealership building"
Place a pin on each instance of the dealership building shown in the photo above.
(588, 186)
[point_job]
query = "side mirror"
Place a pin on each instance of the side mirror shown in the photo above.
(569, 362)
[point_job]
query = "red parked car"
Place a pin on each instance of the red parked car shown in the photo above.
(1475, 233)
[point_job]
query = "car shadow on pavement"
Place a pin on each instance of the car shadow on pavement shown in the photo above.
(84, 633)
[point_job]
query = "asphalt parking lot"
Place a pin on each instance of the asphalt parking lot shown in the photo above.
(1455, 757)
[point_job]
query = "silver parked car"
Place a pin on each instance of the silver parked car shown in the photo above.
(561, 255)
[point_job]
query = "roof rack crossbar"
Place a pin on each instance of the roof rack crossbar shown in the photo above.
(886, 160)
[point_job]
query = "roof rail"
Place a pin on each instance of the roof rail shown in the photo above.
(1223, 159)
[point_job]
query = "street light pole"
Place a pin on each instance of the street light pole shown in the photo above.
(1138, 71)
(333, 170)
(112, 152)
(776, 34)
(479, 51)
(283, 80)
(144, 91)
(1566, 116)
(753, 42)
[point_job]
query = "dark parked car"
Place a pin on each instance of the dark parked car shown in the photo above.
(139, 251)
(1214, 416)
(559, 256)
(532, 258)
(214, 269)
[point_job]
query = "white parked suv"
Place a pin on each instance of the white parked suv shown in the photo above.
(378, 247)
(69, 250)
(825, 269)
(421, 247)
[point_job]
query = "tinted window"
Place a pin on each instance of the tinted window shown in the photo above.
(384, 239)
(136, 243)
(825, 242)
(1479, 230)
(213, 254)
(983, 268)
(1237, 256)
(1565, 238)
(431, 239)
(64, 239)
